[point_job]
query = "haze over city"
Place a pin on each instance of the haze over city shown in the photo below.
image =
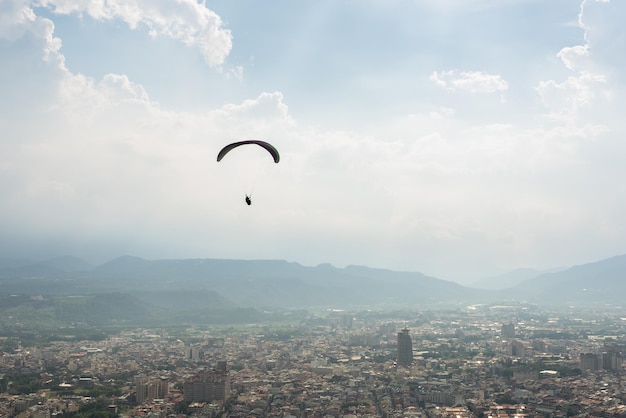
(457, 138)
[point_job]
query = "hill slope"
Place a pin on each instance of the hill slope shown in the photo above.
(603, 281)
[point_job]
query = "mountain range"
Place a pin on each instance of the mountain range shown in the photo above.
(183, 284)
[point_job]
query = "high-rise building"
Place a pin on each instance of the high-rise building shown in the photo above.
(518, 348)
(150, 388)
(405, 348)
(192, 353)
(208, 386)
(608, 360)
(590, 361)
(612, 360)
(508, 330)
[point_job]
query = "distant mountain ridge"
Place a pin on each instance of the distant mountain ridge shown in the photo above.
(511, 278)
(279, 283)
(242, 282)
(600, 281)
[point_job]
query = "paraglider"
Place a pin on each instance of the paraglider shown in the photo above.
(267, 146)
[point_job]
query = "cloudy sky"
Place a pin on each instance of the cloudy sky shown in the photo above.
(458, 138)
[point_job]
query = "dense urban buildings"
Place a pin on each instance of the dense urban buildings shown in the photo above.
(454, 364)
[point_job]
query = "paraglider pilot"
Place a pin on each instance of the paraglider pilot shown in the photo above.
(248, 200)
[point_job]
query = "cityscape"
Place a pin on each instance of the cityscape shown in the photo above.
(500, 361)
(312, 209)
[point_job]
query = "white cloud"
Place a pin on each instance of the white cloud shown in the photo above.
(14, 18)
(18, 18)
(595, 64)
(470, 81)
(188, 21)
(566, 99)
(102, 156)
(267, 106)
(99, 157)
(573, 56)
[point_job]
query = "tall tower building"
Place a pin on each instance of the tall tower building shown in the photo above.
(405, 348)
(508, 330)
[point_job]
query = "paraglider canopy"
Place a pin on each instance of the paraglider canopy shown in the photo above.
(269, 147)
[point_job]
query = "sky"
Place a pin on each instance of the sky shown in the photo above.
(458, 138)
